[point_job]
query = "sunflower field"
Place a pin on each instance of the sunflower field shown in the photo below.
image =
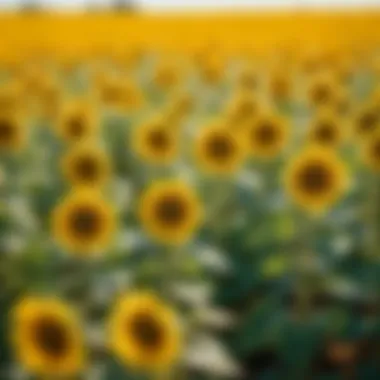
(194, 199)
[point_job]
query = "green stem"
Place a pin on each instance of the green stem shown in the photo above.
(306, 232)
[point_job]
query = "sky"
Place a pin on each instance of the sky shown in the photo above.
(163, 5)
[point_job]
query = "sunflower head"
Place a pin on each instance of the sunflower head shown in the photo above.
(370, 151)
(211, 68)
(156, 142)
(47, 337)
(322, 91)
(242, 108)
(248, 78)
(266, 135)
(280, 85)
(170, 211)
(50, 98)
(144, 332)
(119, 93)
(167, 75)
(11, 98)
(311, 62)
(218, 150)
(366, 121)
(133, 97)
(33, 77)
(12, 133)
(86, 165)
(326, 130)
(111, 91)
(316, 178)
(83, 223)
(76, 121)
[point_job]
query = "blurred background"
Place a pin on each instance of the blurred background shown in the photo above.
(190, 189)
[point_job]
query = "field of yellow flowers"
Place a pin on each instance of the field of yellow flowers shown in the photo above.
(187, 206)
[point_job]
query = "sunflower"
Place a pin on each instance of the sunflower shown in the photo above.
(47, 337)
(218, 150)
(32, 78)
(266, 135)
(10, 98)
(167, 75)
(156, 142)
(144, 332)
(323, 90)
(211, 68)
(316, 178)
(326, 130)
(280, 85)
(83, 222)
(133, 97)
(119, 93)
(86, 164)
(12, 133)
(248, 78)
(311, 62)
(50, 98)
(366, 121)
(170, 211)
(242, 107)
(76, 121)
(111, 91)
(370, 151)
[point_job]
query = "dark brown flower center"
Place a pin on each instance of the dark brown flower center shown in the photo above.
(76, 126)
(220, 147)
(51, 336)
(85, 222)
(7, 131)
(159, 139)
(265, 133)
(325, 132)
(171, 210)
(87, 168)
(146, 331)
(315, 178)
(367, 121)
(321, 94)
(376, 149)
